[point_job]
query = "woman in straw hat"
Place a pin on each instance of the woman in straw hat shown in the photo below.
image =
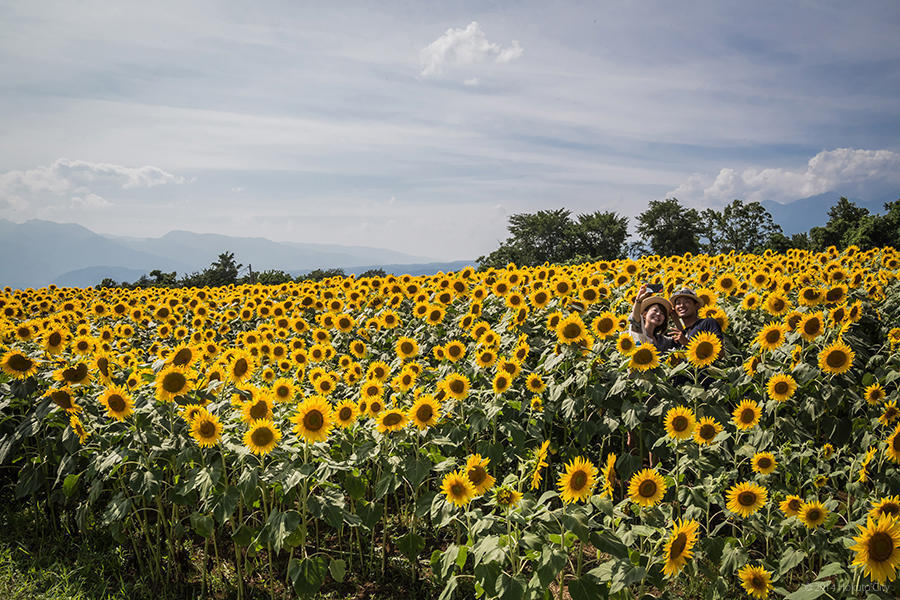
(650, 318)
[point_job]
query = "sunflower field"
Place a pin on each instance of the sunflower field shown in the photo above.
(487, 434)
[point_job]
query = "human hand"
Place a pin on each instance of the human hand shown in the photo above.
(677, 336)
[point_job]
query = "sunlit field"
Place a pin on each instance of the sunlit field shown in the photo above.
(472, 434)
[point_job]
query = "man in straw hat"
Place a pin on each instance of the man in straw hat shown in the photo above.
(685, 304)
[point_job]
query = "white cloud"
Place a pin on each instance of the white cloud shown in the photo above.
(65, 176)
(471, 82)
(465, 47)
(826, 171)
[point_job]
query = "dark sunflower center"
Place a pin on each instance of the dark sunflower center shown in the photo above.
(55, 338)
(406, 348)
(457, 386)
(21, 363)
(811, 327)
(678, 546)
(540, 298)
(116, 403)
(605, 325)
(457, 490)
(764, 463)
(643, 357)
(781, 387)
(705, 350)
(748, 416)
(680, 423)
(707, 431)
(454, 351)
(262, 436)
(182, 357)
(747, 498)
(890, 509)
(392, 419)
(757, 582)
(881, 546)
(424, 413)
(647, 489)
(502, 383)
(813, 515)
(174, 382)
(571, 331)
(259, 410)
(103, 366)
(773, 336)
(240, 367)
(282, 391)
(62, 399)
(578, 481)
(794, 504)
(476, 475)
(376, 407)
(777, 304)
(836, 359)
(314, 420)
(345, 413)
(73, 374)
(207, 429)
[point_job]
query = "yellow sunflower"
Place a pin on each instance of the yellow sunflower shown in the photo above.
(680, 423)
(644, 358)
(407, 348)
(703, 349)
(609, 475)
(391, 420)
(79, 430)
(457, 488)
(874, 394)
(625, 344)
(757, 581)
(206, 429)
(878, 548)
(18, 365)
(476, 471)
(118, 402)
(890, 413)
(425, 411)
(576, 484)
(171, 382)
(746, 498)
(771, 336)
(262, 437)
(746, 415)
(836, 358)
(811, 326)
(813, 514)
(241, 366)
(679, 547)
(892, 445)
(791, 505)
(313, 419)
(764, 462)
(456, 385)
(781, 387)
(501, 382)
(646, 488)
(540, 463)
(888, 506)
(570, 330)
(535, 384)
(345, 413)
(64, 399)
(706, 431)
(506, 497)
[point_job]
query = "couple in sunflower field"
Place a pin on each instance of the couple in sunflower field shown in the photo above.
(651, 312)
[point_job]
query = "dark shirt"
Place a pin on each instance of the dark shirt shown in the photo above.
(707, 324)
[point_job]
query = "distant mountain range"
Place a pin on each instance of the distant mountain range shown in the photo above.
(37, 253)
(802, 215)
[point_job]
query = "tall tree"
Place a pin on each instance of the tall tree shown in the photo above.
(668, 228)
(844, 218)
(601, 235)
(739, 227)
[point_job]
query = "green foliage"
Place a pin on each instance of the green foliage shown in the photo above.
(552, 236)
(739, 227)
(320, 274)
(668, 228)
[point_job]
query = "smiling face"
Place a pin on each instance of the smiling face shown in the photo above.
(654, 316)
(685, 307)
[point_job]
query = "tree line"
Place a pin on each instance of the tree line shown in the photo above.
(668, 228)
(225, 270)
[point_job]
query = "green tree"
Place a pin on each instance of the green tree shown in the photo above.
(272, 277)
(601, 235)
(844, 219)
(668, 228)
(552, 236)
(739, 227)
(320, 274)
(373, 273)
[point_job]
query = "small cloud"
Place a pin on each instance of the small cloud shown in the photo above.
(471, 82)
(90, 202)
(826, 171)
(465, 47)
(237, 190)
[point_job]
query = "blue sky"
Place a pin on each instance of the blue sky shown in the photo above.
(421, 127)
